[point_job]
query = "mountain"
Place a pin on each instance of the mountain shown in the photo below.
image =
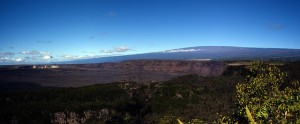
(206, 53)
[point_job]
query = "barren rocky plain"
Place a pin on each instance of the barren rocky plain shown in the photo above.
(76, 75)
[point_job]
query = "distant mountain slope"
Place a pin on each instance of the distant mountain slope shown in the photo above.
(206, 52)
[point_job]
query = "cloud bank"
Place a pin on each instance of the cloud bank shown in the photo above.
(34, 52)
(35, 55)
(10, 60)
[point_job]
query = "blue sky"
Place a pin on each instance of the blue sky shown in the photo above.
(41, 31)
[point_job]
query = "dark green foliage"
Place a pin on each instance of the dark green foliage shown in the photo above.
(240, 71)
(39, 106)
(188, 97)
(293, 71)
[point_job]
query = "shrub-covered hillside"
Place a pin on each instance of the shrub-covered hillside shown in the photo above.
(185, 97)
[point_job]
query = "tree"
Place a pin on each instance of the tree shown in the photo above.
(265, 98)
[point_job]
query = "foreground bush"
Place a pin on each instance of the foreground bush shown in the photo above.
(266, 97)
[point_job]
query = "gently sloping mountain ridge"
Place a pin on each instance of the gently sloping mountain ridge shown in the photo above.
(206, 52)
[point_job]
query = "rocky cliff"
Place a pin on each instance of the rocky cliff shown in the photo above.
(203, 68)
(143, 71)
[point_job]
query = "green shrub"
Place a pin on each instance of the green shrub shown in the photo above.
(265, 98)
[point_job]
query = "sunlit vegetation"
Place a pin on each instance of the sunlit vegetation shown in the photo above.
(269, 98)
(266, 97)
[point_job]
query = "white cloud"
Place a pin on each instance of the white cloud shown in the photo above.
(45, 53)
(47, 57)
(36, 56)
(78, 57)
(25, 57)
(6, 59)
(107, 51)
(117, 49)
(18, 60)
(122, 49)
(34, 52)
(31, 57)
(70, 57)
(181, 50)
